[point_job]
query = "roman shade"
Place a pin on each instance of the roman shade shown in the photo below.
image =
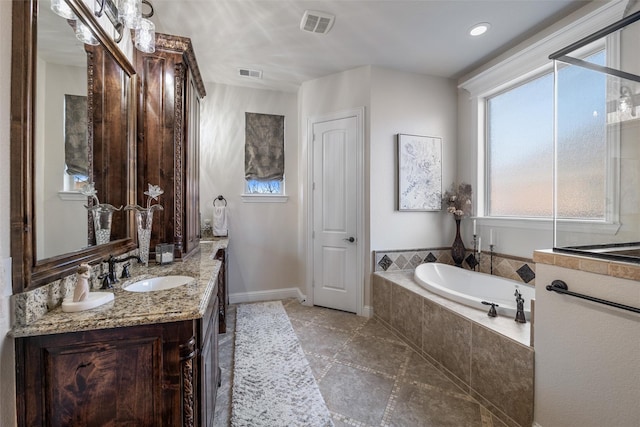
(264, 147)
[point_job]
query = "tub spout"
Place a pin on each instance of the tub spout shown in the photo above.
(519, 308)
(492, 310)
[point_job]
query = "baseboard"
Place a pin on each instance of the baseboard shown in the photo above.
(275, 294)
(367, 311)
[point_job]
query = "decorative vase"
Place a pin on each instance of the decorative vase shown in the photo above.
(457, 248)
(144, 221)
(102, 215)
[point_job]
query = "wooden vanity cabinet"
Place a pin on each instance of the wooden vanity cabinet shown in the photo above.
(163, 374)
(223, 288)
(170, 89)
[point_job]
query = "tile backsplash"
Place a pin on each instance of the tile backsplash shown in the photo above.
(32, 305)
(510, 267)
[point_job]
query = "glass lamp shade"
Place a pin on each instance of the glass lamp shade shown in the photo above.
(130, 13)
(146, 36)
(61, 8)
(84, 34)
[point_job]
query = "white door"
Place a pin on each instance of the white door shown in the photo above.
(335, 222)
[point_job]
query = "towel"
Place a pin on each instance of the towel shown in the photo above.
(220, 221)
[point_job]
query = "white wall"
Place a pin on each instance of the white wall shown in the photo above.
(63, 221)
(7, 364)
(335, 93)
(587, 363)
(418, 105)
(395, 102)
(263, 236)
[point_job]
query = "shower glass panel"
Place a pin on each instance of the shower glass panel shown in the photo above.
(597, 144)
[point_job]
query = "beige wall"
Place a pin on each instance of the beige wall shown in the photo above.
(587, 361)
(264, 236)
(7, 378)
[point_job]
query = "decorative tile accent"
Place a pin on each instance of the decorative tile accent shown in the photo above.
(415, 261)
(401, 262)
(472, 261)
(526, 274)
(514, 268)
(385, 263)
(430, 258)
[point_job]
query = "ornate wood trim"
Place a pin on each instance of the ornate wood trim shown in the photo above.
(178, 162)
(183, 45)
(188, 352)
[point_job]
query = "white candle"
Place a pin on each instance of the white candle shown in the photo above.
(491, 236)
(474, 227)
(479, 245)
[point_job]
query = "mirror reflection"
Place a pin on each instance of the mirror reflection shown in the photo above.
(70, 136)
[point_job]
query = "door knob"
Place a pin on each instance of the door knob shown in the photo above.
(350, 239)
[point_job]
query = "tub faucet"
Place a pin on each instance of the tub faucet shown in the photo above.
(492, 310)
(519, 308)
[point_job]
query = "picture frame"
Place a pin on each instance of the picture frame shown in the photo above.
(419, 167)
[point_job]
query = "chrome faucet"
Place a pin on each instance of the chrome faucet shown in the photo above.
(520, 318)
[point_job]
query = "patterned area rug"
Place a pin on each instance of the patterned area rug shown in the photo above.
(272, 381)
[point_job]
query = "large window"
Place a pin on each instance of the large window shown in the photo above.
(520, 146)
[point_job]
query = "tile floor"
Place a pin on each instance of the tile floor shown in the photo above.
(367, 376)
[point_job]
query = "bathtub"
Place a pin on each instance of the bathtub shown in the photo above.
(471, 288)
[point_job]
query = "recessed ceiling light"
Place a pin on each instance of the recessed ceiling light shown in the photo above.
(479, 29)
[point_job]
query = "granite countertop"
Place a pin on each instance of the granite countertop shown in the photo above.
(185, 302)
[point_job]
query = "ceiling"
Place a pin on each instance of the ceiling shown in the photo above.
(428, 36)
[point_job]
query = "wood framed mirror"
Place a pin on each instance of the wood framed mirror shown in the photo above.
(111, 155)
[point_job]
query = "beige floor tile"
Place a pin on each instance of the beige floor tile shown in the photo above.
(421, 406)
(378, 355)
(355, 393)
(363, 370)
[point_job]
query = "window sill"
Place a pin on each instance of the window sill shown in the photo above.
(73, 196)
(264, 198)
(576, 226)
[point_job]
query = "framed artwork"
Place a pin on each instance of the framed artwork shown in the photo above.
(419, 173)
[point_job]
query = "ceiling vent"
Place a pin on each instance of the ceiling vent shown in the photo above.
(317, 22)
(245, 72)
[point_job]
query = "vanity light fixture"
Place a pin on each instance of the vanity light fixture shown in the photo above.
(84, 34)
(146, 36)
(61, 8)
(128, 15)
(479, 29)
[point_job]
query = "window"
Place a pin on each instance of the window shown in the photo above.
(519, 152)
(270, 186)
(264, 157)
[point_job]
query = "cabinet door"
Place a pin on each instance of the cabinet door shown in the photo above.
(210, 374)
(88, 382)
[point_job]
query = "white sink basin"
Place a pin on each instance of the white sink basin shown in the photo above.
(94, 299)
(158, 283)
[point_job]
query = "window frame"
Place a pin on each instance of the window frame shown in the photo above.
(515, 67)
(265, 197)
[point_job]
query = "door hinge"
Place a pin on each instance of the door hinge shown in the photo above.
(313, 234)
(313, 187)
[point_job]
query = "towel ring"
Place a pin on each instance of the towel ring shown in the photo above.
(220, 198)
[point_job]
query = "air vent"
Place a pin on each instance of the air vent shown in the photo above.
(317, 22)
(245, 72)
